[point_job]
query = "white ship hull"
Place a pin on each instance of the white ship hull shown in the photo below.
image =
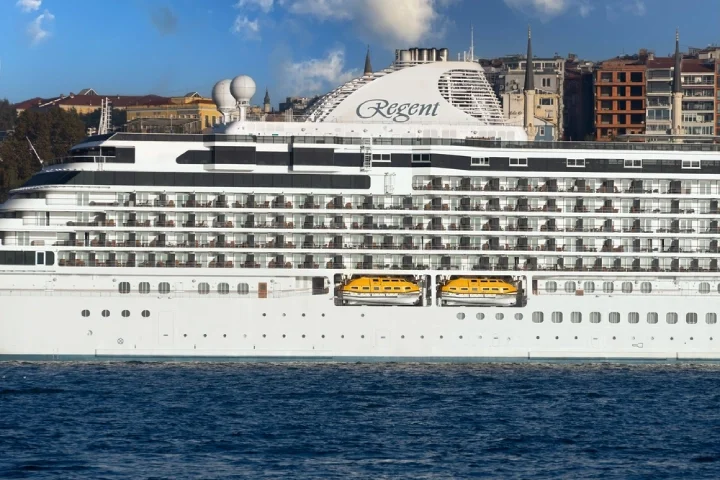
(45, 322)
(479, 300)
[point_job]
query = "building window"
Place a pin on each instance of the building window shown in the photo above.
(608, 287)
(538, 317)
(243, 289)
(671, 318)
(164, 288)
(124, 287)
(711, 318)
(480, 162)
(518, 162)
(551, 287)
(633, 317)
(704, 287)
(575, 317)
(652, 317)
(223, 288)
(144, 287)
(541, 131)
(634, 163)
(381, 157)
(691, 164)
(203, 288)
(420, 157)
(576, 162)
(546, 101)
(691, 318)
(627, 287)
(556, 317)
(595, 317)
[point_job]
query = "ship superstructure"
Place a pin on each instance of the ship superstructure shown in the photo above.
(402, 219)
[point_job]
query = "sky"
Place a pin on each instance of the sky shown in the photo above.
(303, 47)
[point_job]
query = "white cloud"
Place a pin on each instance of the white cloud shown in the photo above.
(37, 29)
(29, 5)
(635, 7)
(315, 75)
(264, 5)
(544, 8)
(547, 9)
(246, 28)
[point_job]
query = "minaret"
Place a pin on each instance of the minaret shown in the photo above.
(266, 102)
(529, 92)
(368, 66)
(677, 94)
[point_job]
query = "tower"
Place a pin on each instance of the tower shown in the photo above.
(529, 92)
(266, 102)
(368, 66)
(677, 94)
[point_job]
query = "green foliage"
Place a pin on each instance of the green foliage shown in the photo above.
(7, 115)
(52, 132)
(92, 120)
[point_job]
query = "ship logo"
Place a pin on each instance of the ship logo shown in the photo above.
(397, 112)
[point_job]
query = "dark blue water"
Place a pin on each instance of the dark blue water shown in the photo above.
(358, 421)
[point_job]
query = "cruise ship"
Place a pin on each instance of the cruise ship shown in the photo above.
(402, 219)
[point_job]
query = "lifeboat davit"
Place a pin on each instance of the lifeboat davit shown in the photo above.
(380, 291)
(479, 291)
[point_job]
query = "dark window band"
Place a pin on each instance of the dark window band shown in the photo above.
(202, 179)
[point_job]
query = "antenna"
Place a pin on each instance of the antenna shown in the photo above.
(472, 43)
(105, 126)
(32, 149)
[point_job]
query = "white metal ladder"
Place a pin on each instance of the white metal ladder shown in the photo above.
(366, 150)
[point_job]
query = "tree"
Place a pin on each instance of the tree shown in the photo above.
(52, 132)
(7, 115)
(92, 119)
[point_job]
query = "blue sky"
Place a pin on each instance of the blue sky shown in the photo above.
(170, 47)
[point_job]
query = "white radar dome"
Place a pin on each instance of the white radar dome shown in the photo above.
(242, 88)
(221, 95)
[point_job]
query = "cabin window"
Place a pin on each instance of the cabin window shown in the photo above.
(144, 287)
(480, 162)
(691, 318)
(595, 317)
(589, 287)
(576, 162)
(652, 317)
(575, 317)
(646, 287)
(480, 316)
(711, 318)
(557, 317)
(518, 316)
(518, 162)
(381, 157)
(164, 288)
(633, 317)
(691, 164)
(203, 288)
(608, 287)
(538, 317)
(499, 316)
(704, 287)
(671, 318)
(627, 287)
(420, 157)
(634, 163)
(243, 289)
(614, 317)
(124, 287)
(570, 287)
(550, 287)
(223, 288)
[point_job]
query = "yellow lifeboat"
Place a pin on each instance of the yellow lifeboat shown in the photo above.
(380, 291)
(478, 291)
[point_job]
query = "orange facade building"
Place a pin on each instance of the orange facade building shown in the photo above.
(620, 97)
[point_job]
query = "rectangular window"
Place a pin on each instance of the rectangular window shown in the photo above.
(480, 162)
(380, 157)
(546, 101)
(576, 162)
(518, 162)
(635, 163)
(691, 164)
(420, 157)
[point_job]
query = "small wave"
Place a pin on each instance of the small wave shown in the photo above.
(30, 391)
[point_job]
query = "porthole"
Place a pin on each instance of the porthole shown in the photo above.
(538, 317)
(499, 316)
(106, 313)
(480, 316)
(614, 317)
(204, 335)
(145, 313)
(518, 316)
(362, 336)
(671, 318)
(576, 317)
(164, 288)
(460, 316)
(264, 314)
(322, 336)
(125, 313)
(402, 336)
(303, 314)
(303, 335)
(460, 337)
(283, 335)
(85, 313)
(144, 287)
(224, 335)
(441, 337)
(266, 335)
(556, 317)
